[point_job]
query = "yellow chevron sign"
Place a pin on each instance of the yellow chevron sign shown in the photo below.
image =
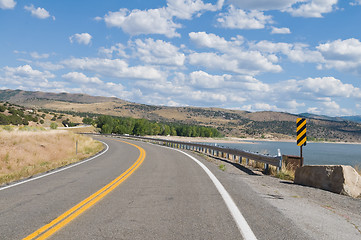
(301, 132)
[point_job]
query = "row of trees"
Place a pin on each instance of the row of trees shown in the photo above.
(15, 119)
(142, 127)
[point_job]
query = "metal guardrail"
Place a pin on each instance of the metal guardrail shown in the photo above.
(215, 151)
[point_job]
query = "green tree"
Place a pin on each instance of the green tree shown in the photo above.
(107, 129)
(88, 121)
(53, 125)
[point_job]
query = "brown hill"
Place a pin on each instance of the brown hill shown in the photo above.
(265, 124)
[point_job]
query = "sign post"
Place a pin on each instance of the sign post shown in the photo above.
(301, 135)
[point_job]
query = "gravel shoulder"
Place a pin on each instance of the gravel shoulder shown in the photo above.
(320, 214)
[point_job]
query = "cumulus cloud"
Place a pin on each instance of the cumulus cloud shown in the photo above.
(26, 77)
(343, 55)
(312, 8)
(296, 52)
(81, 78)
(159, 20)
(297, 8)
(39, 12)
(7, 4)
(185, 9)
(330, 87)
(81, 38)
(114, 68)
(27, 72)
(118, 49)
(240, 19)
(136, 22)
(280, 30)
(205, 80)
(231, 56)
(158, 52)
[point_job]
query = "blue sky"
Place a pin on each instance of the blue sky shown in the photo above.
(278, 55)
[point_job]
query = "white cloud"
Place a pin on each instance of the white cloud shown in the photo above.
(37, 55)
(263, 4)
(330, 87)
(240, 19)
(7, 4)
(280, 30)
(118, 49)
(158, 52)
(260, 106)
(81, 38)
(136, 22)
(204, 80)
(233, 58)
(348, 49)
(159, 20)
(312, 8)
(49, 66)
(41, 13)
(332, 108)
(313, 110)
(343, 55)
(114, 67)
(297, 8)
(25, 77)
(210, 40)
(296, 52)
(27, 72)
(355, 3)
(81, 78)
(185, 9)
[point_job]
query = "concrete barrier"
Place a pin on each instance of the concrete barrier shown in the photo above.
(335, 178)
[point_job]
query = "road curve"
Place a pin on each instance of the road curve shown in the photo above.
(168, 197)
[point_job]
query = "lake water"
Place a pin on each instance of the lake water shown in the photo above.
(313, 153)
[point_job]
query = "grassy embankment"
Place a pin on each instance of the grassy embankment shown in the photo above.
(28, 151)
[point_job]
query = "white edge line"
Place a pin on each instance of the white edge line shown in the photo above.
(59, 170)
(241, 222)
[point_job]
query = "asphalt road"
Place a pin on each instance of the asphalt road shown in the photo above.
(168, 197)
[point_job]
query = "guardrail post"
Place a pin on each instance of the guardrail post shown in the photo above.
(266, 168)
(247, 161)
(280, 163)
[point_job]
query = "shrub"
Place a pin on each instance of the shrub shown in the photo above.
(53, 125)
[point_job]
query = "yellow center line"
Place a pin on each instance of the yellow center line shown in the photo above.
(49, 229)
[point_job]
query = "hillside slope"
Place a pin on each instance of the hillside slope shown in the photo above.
(266, 124)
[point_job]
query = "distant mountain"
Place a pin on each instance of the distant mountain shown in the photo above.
(20, 96)
(321, 117)
(356, 118)
(265, 124)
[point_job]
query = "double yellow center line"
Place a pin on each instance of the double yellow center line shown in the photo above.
(49, 229)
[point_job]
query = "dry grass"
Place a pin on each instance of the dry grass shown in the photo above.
(26, 153)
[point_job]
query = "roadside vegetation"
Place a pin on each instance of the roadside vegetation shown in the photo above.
(132, 126)
(26, 151)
